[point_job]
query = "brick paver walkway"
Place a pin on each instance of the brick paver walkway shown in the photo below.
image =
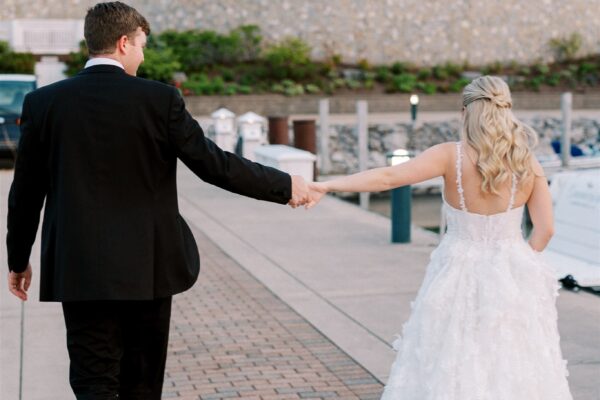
(232, 338)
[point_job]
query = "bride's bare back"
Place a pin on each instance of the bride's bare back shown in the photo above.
(476, 200)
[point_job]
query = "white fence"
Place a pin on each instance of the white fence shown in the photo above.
(43, 36)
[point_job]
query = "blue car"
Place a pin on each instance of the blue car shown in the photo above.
(13, 88)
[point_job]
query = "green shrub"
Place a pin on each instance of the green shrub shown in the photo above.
(424, 73)
(336, 59)
(76, 60)
(383, 74)
(453, 70)
(277, 88)
(196, 49)
(586, 69)
(244, 89)
(333, 74)
(535, 82)
(398, 68)
(553, 79)
(303, 72)
(526, 71)
(364, 65)
(249, 42)
(427, 87)
(493, 68)
(458, 85)
(404, 82)
(248, 79)
(447, 70)
(439, 72)
(566, 48)
(290, 59)
(353, 83)
(15, 63)
(230, 89)
(369, 76)
(159, 65)
(288, 88)
(290, 52)
(312, 88)
(338, 82)
(201, 84)
(542, 69)
(294, 90)
(227, 73)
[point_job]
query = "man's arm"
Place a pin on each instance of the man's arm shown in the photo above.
(226, 170)
(27, 193)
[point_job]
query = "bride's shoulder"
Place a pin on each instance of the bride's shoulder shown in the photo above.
(536, 167)
(441, 154)
(446, 147)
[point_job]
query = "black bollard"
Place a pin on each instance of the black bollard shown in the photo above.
(401, 214)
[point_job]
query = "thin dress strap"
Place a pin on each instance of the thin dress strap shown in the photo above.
(513, 192)
(459, 186)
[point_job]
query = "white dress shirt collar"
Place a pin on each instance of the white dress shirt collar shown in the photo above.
(103, 61)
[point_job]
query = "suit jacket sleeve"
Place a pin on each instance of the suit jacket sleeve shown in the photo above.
(27, 192)
(221, 168)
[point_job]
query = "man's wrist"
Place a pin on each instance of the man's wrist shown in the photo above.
(17, 271)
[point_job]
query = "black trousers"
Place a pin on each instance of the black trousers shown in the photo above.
(117, 349)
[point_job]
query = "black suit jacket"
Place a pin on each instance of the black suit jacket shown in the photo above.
(101, 148)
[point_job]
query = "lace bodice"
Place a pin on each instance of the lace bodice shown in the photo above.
(464, 224)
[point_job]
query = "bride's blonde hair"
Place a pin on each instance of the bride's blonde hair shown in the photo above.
(503, 143)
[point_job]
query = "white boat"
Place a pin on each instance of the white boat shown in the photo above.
(575, 248)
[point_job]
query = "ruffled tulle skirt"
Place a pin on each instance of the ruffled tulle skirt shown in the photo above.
(483, 327)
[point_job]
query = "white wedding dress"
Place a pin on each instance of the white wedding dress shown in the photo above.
(484, 323)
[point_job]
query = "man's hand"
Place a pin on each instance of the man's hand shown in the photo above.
(299, 192)
(18, 282)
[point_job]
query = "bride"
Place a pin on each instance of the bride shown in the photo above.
(484, 323)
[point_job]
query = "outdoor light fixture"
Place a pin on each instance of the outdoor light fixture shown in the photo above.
(414, 103)
(399, 156)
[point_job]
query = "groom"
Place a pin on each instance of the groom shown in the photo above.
(101, 149)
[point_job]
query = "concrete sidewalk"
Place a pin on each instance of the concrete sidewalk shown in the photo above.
(333, 265)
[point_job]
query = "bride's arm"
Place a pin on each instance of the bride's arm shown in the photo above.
(540, 210)
(429, 164)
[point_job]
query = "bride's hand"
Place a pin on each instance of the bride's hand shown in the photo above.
(316, 192)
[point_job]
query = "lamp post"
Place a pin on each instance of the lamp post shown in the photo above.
(414, 104)
(400, 201)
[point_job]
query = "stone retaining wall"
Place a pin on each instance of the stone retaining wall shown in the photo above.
(381, 31)
(384, 138)
(378, 103)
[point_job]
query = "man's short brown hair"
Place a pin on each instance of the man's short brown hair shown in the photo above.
(105, 23)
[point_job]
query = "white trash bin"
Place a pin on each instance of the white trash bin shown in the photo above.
(252, 133)
(224, 123)
(288, 159)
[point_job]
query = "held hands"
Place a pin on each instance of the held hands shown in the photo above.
(18, 282)
(317, 191)
(300, 192)
(306, 194)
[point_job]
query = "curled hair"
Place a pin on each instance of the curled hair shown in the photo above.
(105, 23)
(503, 143)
